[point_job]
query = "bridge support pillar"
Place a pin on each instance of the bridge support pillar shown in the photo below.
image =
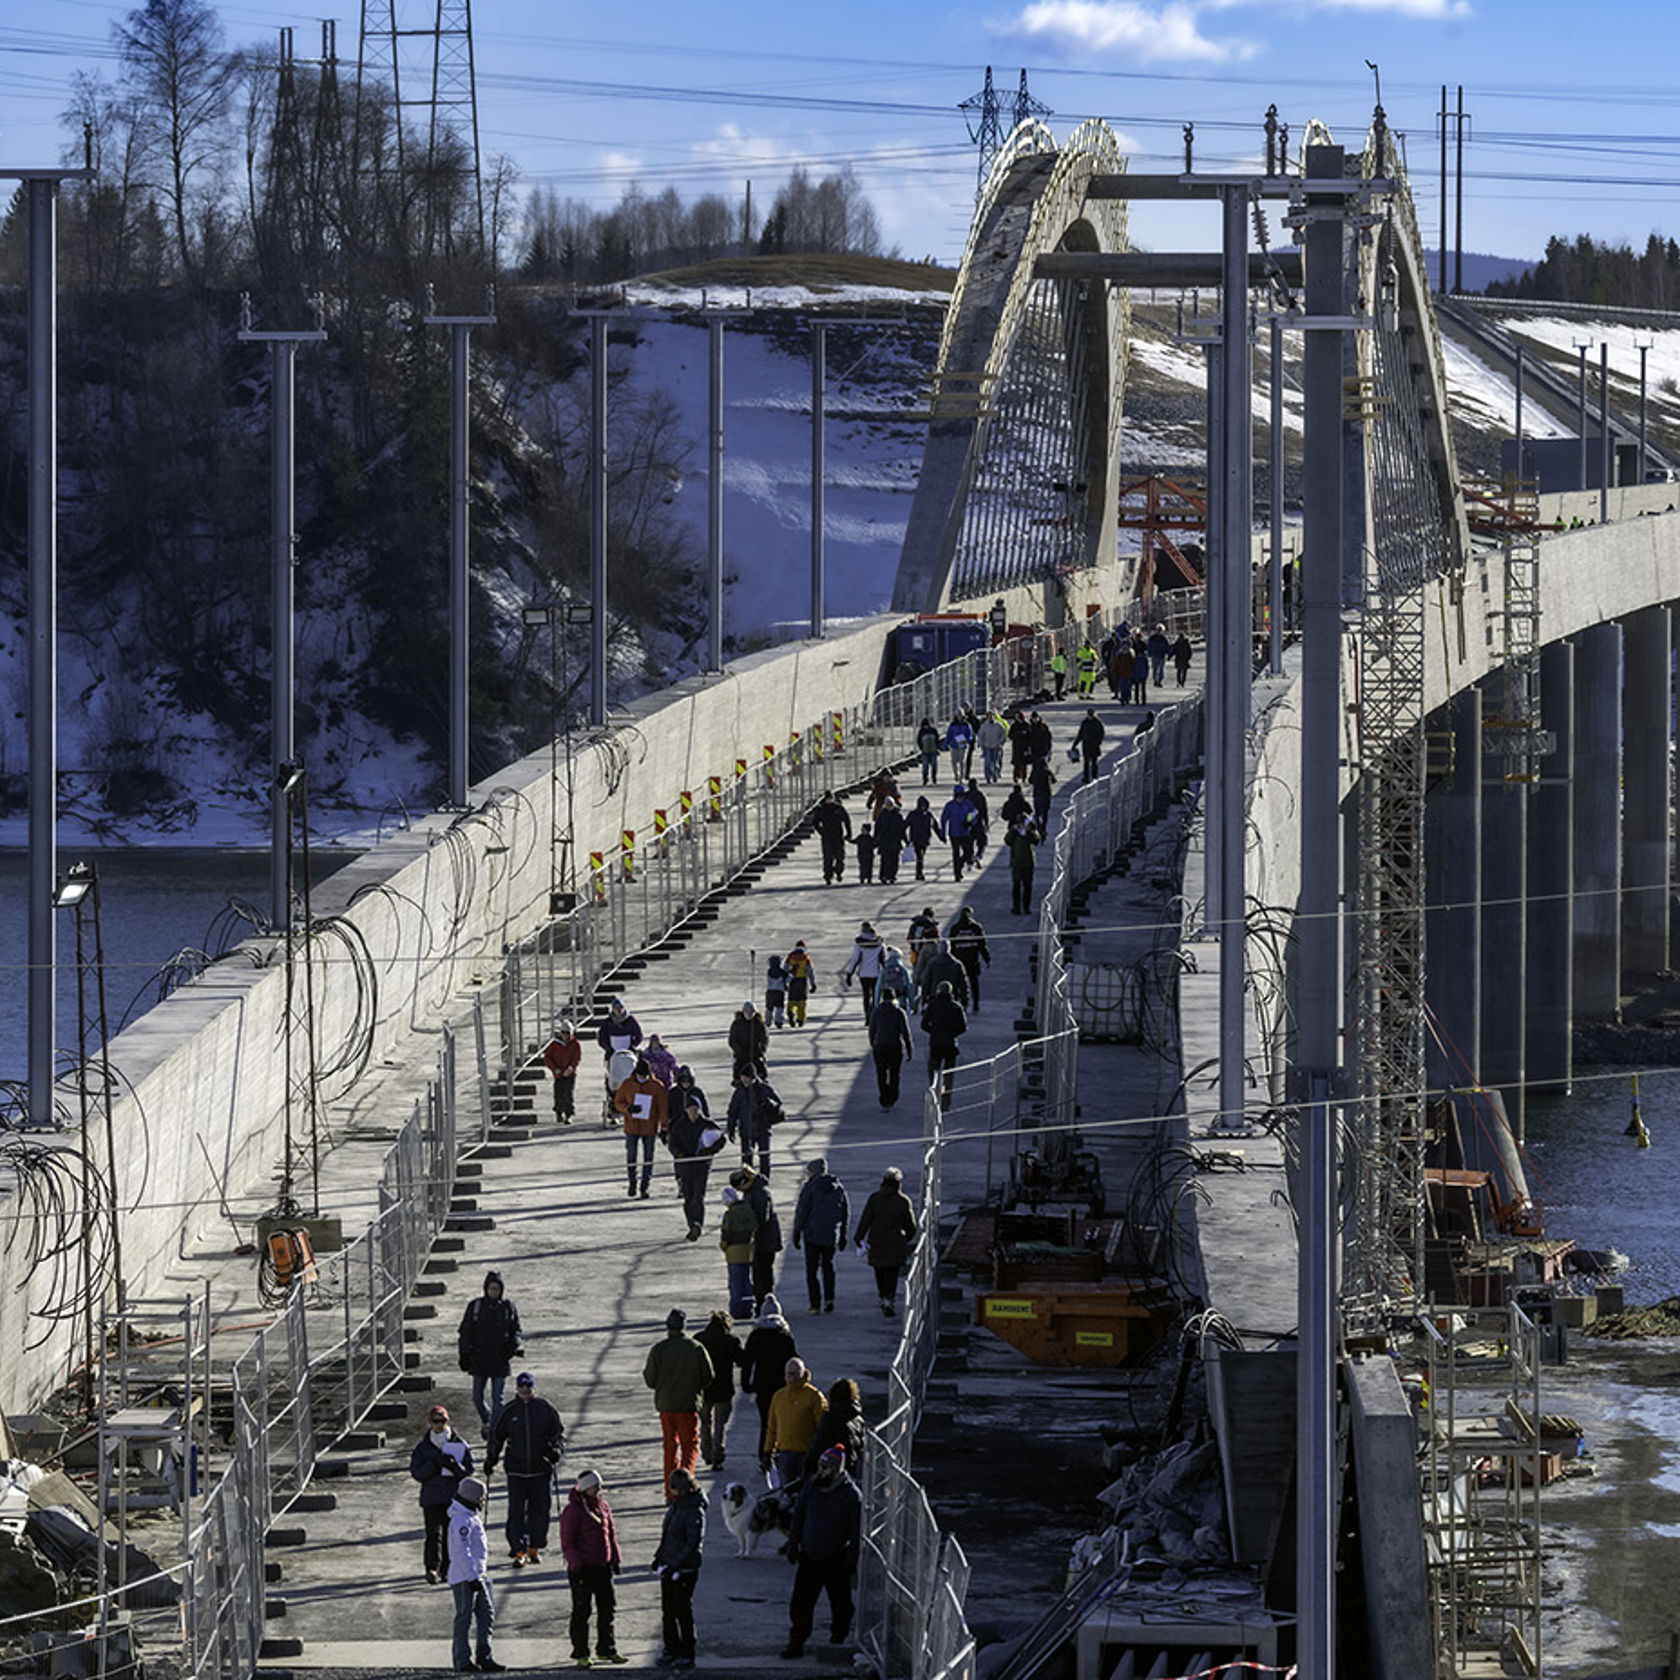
(1647, 831)
(1452, 849)
(1551, 850)
(1597, 823)
(1504, 934)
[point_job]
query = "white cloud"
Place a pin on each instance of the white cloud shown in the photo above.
(621, 166)
(1406, 8)
(1151, 36)
(735, 150)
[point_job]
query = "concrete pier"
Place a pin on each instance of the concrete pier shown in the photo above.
(1647, 793)
(1504, 934)
(1551, 849)
(1597, 824)
(1452, 841)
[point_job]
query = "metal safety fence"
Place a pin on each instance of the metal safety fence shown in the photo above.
(309, 1376)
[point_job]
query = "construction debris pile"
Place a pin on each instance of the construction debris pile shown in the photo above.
(1663, 1319)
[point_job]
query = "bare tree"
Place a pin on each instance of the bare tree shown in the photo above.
(179, 78)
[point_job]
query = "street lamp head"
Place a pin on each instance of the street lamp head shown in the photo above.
(537, 616)
(288, 777)
(76, 885)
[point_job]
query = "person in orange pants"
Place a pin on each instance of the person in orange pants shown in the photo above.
(677, 1371)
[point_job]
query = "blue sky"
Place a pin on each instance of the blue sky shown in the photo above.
(1566, 127)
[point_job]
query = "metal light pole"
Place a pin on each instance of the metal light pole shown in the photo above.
(1643, 466)
(460, 492)
(598, 520)
(1274, 572)
(1581, 347)
(282, 548)
(714, 496)
(1518, 465)
(819, 338)
(1604, 432)
(562, 894)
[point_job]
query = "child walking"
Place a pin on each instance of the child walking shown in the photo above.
(775, 992)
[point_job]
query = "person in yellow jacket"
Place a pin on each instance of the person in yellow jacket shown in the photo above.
(641, 1101)
(1058, 671)
(1087, 668)
(795, 1412)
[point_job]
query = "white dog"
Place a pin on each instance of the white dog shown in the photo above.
(748, 1516)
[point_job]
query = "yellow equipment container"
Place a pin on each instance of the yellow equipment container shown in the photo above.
(1078, 1323)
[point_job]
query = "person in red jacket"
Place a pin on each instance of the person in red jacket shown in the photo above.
(589, 1542)
(561, 1056)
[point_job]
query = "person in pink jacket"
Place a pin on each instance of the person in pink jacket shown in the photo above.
(589, 1542)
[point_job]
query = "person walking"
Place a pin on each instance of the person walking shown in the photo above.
(939, 967)
(896, 980)
(770, 1345)
(1120, 669)
(1040, 742)
(890, 1045)
(531, 1439)
(662, 1064)
(889, 840)
(487, 1343)
(1088, 738)
(441, 1459)
(842, 1425)
(886, 1234)
(682, 1543)
(927, 746)
(561, 1056)
(922, 936)
(1158, 647)
(1087, 659)
(1020, 746)
(589, 1543)
(620, 1031)
(677, 1370)
(753, 1112)
(749, 1040)
(1058, 672)
(469, 1580)
(1043, 780)
(991, 737)
(863, 843)
(956, 824)
(767, 1237)
(824, 1541)
(693, 1140)
(820, 1218)
(801, 973)
(1182, 652)
(795, 1411)
(723, 1346)
(944, 1021)
(686, 1091)
(865, 964)
(735, 1238)
(959, 742)
(966, 940)
(834, 828)
(775, 992)
(920, 827)
(1140, 669)
(641, 1104)
(1023, 841)
(982, 817)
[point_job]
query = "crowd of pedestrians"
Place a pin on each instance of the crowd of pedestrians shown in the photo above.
(808, 1439)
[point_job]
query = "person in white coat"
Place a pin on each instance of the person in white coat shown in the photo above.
(867, 952)
(469, 1578)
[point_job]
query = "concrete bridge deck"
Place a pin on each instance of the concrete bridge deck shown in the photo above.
(595, 1273)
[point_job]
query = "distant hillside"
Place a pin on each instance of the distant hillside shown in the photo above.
(1482, 271)
(1581, 270)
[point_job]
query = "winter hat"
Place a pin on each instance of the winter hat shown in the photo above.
(730, 1195)
(524, 1380)
(795, 1371)
(868, 927)
(471, 1491)
(747, 1007)
(643, 1067)
(616, 1007)
(675, 1319)
(438, 1414)
(742, 1177)
(892, 1176)
(565, 1027)
(589, 1482)
(772, 1308)
(816, 1168)
(684, 1072)
(834, 1455)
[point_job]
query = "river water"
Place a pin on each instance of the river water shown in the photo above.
(154, 902)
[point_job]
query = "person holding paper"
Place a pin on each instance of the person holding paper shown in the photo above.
(640, 1100)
